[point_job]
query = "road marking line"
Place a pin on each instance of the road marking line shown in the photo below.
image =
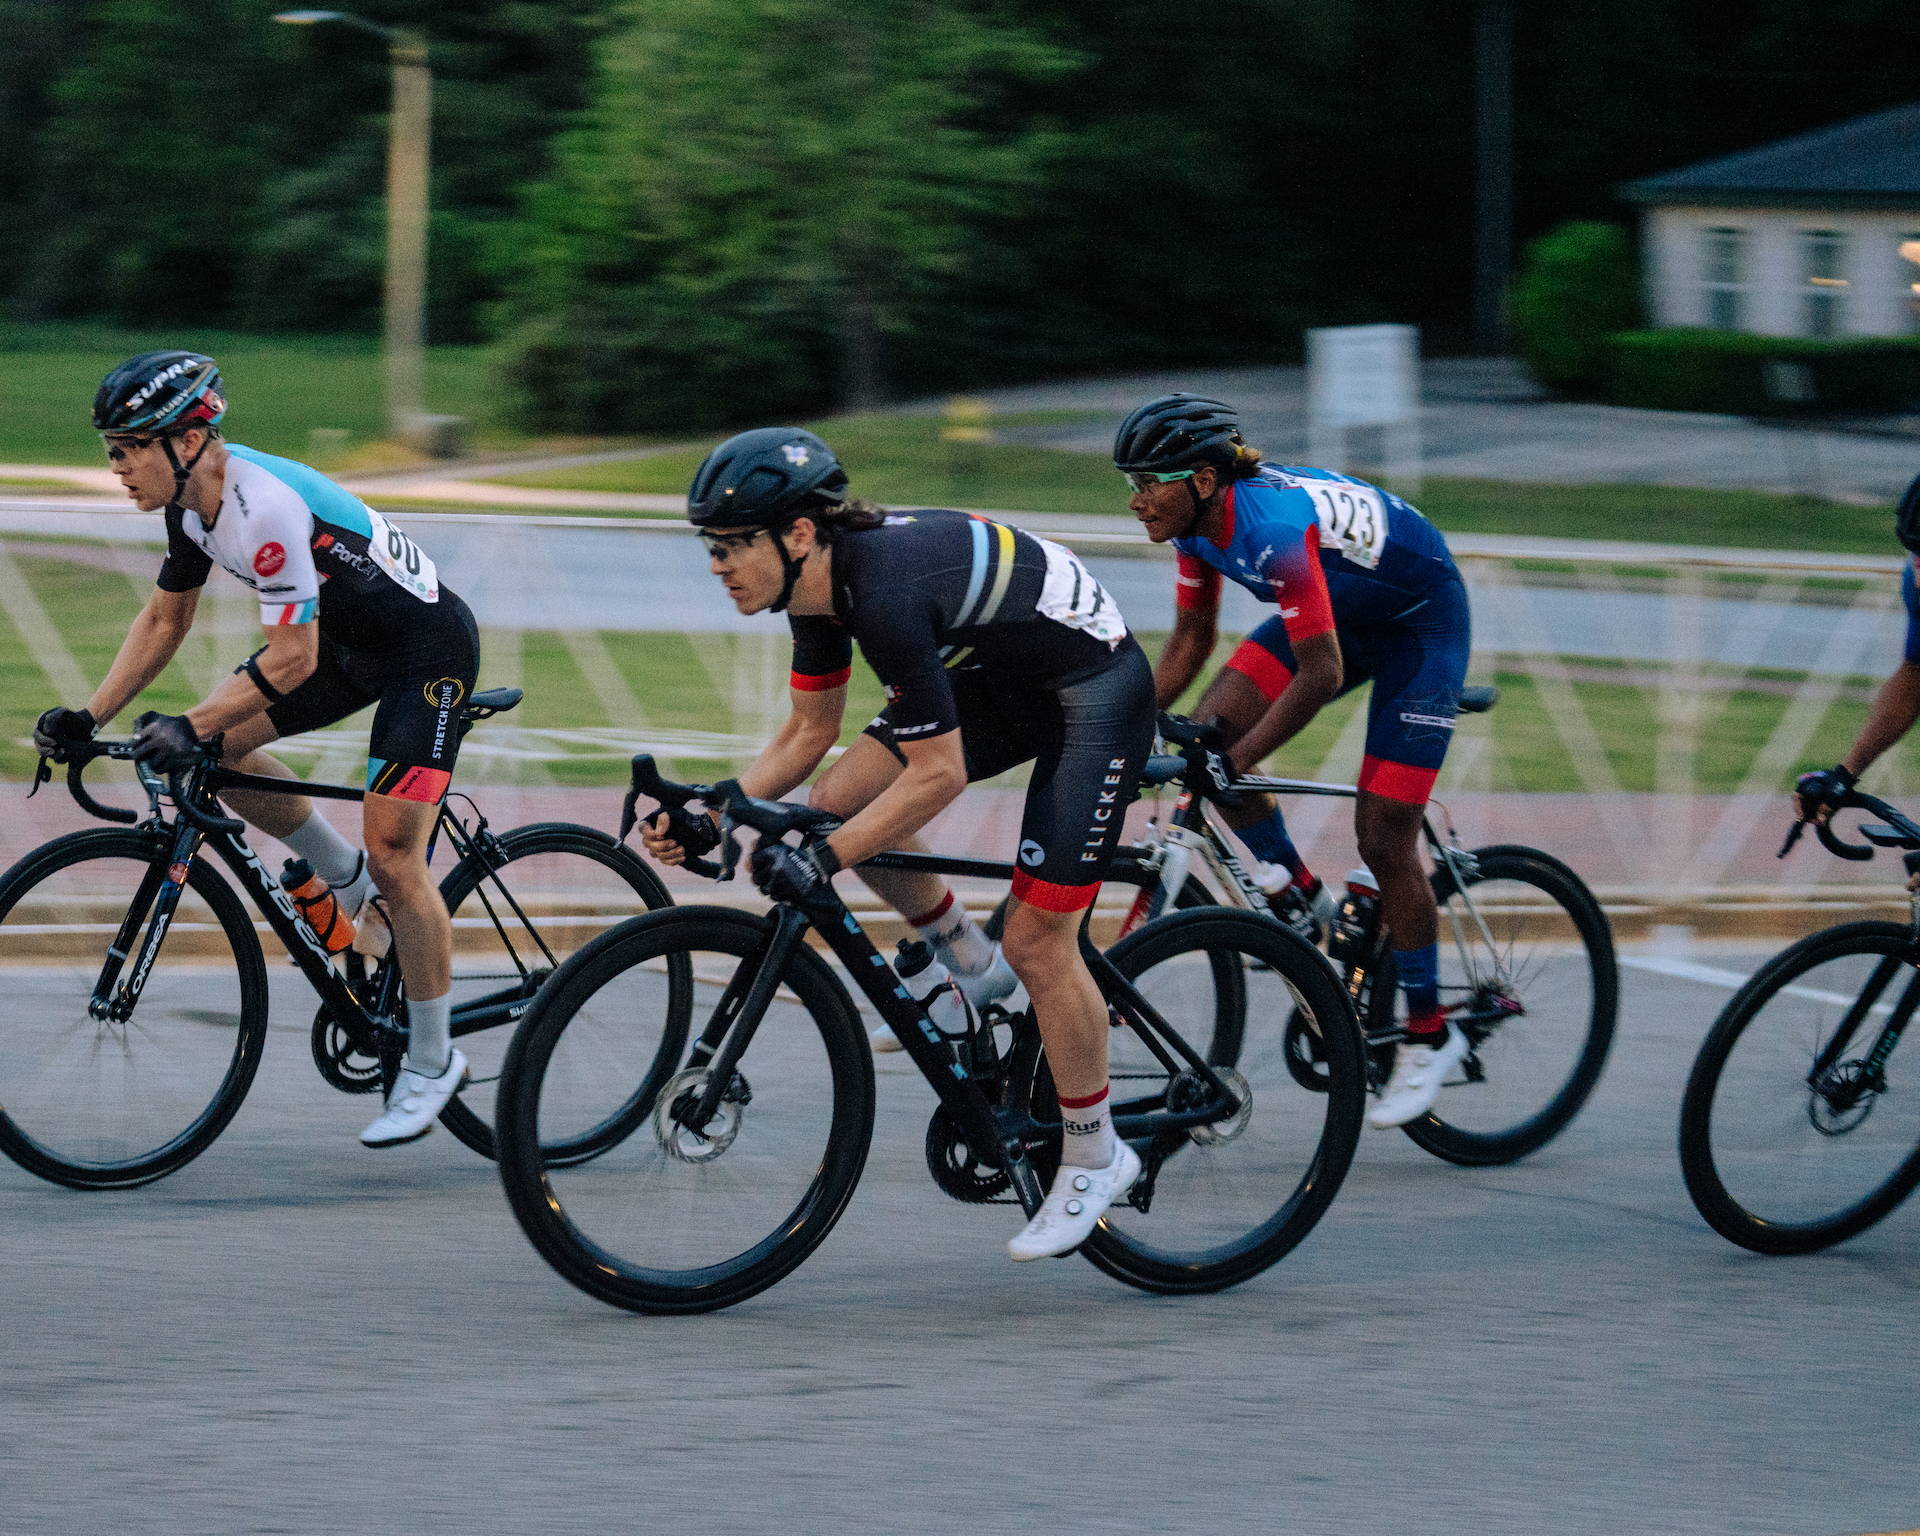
(1713, 976)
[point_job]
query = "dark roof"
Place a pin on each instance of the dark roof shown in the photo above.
(1870, 162)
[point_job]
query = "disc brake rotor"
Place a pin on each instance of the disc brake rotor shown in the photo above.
(682, 1141)
(1190, 1091)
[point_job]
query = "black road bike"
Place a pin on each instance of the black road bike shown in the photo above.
(752, 1064)
(133, 1029)
(1527, 964)
(1801, 1121)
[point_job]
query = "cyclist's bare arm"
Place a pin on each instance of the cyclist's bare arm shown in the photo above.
(293, 651)
(151, 643)
(811, 729)
(935, 774)
(1195, 632)
(1312, 686)
(1895, 709)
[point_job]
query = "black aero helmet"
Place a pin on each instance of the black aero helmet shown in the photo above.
(160, 393)
(764, 478)
(1177, 431)
(1906, 517)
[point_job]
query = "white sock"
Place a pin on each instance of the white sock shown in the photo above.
(334, 859)
(1088, 1125)
(956, 938)
(429, 1038)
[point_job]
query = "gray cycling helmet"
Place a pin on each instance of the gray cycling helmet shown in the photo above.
(1178, 431)
(765, 478)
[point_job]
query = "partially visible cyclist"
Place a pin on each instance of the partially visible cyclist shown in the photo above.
(1366, 591)
(995, 649)
(1816, 796)
(353, 614)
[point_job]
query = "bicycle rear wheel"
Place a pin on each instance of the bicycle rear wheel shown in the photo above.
(678, 1217)
(1800, 1125)
(551, 887)
(1227, 1199)
(109, 1104)
(1527, 970)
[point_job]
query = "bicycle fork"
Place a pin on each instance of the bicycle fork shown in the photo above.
(154, 904)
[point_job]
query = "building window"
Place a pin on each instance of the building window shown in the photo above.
(1723, 274)
(1823, 268)
(1910, 280)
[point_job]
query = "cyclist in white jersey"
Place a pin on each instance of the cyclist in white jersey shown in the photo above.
(353, 614)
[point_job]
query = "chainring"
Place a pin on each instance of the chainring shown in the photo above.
(956, 1167)
(341, 1062)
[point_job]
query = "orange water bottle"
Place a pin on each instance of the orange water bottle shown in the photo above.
(314, 900)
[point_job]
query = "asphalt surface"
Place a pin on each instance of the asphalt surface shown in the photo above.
(296, 1335)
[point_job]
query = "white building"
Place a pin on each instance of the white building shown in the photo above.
(1817, 235)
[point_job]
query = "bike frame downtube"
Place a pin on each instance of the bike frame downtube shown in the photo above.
(277, 907)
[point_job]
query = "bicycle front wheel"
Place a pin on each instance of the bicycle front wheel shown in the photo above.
(544, 892)
(120, 1101)
(1221, 1201)
(1800, 1126)
(686, 1215)
(1527, 970)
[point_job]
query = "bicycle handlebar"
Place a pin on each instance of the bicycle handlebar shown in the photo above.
(77, 755)
(1906, 830)
(772, 819)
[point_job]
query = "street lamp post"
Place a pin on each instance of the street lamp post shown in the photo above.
(408, 139)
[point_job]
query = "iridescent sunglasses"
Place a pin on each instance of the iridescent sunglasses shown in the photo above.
(1140, 479)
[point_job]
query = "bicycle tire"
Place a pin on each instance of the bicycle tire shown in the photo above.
(487, 962)
(57, 951)
(1305, 1139)
(646, 1181)
(1566, 1062)
(1778, 1171)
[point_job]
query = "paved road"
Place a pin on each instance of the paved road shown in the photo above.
(294, 1335)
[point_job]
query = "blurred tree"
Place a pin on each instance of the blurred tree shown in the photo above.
(1576, 287)
(768, 195)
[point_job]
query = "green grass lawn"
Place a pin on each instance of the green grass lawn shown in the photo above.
(691, 684)
(281, 389)
(902, 459)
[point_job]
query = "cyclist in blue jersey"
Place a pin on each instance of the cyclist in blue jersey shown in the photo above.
(1895, 707)
(995, 649)
(1366, 591)
(352, 614)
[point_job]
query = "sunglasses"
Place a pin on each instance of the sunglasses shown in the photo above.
(1141, 479)
(724, 546)
(120, 444)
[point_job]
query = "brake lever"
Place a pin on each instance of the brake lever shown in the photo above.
(42, 774)
(1794, 834)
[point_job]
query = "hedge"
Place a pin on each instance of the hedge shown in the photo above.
(1725, 371)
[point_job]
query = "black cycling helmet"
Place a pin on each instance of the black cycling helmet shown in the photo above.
(1177, 431)
(1906, 517)
(160, 393)
(765, 478)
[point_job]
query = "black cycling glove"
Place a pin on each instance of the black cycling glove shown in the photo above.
(693, 831)
(60, 727)
(792, 874)
(1827, 787)
(164, 742)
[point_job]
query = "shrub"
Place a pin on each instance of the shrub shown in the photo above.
(1576, 287)
(1726, 371)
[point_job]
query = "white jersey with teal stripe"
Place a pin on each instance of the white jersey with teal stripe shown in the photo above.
(307, 547)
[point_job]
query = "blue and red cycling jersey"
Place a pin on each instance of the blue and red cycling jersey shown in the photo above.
(1910, 595)
(1335, 553)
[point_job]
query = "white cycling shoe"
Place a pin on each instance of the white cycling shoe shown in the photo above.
(1418, 1072)
(1074, 1206)
(415, 1103)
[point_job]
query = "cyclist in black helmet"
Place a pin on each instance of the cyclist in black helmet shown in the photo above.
(996, 648)
(1895, 707)
(1366, 592)
(382, 630)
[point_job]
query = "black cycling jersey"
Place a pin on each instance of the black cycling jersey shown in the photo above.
(929, 593)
